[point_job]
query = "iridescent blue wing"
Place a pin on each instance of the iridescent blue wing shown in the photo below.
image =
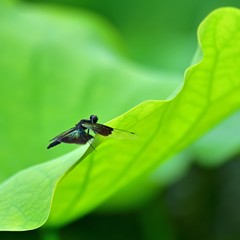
(78, 136)
(63, 134)
(73, 135)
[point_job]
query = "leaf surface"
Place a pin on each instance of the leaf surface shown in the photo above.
(164, 128)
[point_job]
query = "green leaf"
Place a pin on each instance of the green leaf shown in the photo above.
(26, 197)
(163, 128)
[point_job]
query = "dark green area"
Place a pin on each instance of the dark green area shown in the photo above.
(158, 34)
(204, 204)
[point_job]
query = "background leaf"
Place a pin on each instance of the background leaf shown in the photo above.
(69, 67)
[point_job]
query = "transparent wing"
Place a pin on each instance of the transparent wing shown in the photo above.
(122, 134)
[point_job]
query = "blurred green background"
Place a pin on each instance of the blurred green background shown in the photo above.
(62, 60)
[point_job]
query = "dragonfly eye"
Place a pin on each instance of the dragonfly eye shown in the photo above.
(93, 118)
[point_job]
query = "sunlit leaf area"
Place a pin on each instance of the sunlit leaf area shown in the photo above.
(163, 78)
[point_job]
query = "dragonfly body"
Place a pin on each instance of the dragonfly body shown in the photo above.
(91, 124)
(78, 134)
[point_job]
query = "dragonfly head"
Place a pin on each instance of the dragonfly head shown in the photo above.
(93, 118)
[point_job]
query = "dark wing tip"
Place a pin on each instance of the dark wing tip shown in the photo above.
(53, 144)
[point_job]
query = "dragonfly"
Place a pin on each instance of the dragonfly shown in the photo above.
(80, 133)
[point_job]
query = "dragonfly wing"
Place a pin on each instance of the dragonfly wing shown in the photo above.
(98, 128)
(63, 134)
(77, 136)
(123, 134)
